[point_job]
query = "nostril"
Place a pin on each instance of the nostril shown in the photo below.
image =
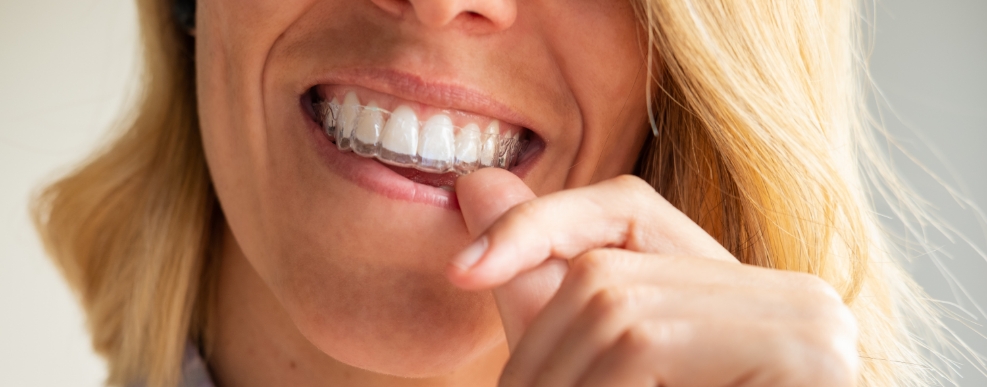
(476, 16)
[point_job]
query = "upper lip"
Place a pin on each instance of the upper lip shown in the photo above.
(417, 89)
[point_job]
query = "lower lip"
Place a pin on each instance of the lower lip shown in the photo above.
(374, 176)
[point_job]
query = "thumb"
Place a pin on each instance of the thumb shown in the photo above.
(484, 196)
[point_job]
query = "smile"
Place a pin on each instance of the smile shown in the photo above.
(392, 132)
(407, 139)
(423, 143)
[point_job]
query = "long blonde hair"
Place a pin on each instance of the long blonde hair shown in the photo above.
(758, 137)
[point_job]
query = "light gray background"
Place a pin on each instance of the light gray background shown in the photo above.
(929, 60)
(66, 69)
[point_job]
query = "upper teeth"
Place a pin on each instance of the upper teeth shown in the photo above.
(399, 137)
(438, 143)
(368, 126)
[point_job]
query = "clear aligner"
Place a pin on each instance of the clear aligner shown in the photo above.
(434, 145)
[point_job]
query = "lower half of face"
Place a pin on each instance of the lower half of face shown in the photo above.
(334, 131)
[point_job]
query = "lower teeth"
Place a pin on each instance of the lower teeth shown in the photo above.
(440, 148)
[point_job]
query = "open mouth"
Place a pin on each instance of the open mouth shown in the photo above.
(424, 144)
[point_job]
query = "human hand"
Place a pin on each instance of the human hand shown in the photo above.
(610, 285)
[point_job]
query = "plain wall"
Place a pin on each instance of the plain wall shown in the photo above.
(929, 62)
(67, 68)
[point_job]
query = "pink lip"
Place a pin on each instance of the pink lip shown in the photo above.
(440, 94)
(375, 177)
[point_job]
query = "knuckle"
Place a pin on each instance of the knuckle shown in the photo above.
(640, 339)
(826, 304)
(654, 338)
(632, 183)
(524, 212)
(524, 217)
(822, 292)
(634, 187)
(833, 354)
(819, 286)
(608, 302)
(846, 366)
(591, 269)
(640, 196)
(845, 321)
(816, 352)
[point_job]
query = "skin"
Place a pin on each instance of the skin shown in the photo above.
(584, 277)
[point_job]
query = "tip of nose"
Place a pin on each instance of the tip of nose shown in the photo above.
(475, 15)
(435, 17)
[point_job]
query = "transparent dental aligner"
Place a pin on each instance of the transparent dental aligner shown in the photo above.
(434, 145)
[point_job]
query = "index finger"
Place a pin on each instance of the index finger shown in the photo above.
(623, 212)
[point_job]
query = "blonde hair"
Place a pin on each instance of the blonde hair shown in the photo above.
(758, 137)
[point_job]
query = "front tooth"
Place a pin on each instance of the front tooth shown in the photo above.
(437, 147)
(488, 152)
(467, 148)
(367, 132)
(348, 114)
(399, 139)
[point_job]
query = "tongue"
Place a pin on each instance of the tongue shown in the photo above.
(432, 179)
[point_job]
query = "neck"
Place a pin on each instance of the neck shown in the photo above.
(257, 344)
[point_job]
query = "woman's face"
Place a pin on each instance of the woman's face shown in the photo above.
(353, 249)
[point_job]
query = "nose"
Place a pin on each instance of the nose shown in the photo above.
(474, 15)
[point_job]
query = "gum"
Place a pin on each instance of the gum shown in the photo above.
(497, 150)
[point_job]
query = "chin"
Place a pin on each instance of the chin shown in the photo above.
(408, 325)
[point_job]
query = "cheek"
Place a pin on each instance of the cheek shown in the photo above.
(368, 294)
(230, 64)
(605, 66)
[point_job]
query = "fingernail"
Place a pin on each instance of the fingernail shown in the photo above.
(472, 254)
